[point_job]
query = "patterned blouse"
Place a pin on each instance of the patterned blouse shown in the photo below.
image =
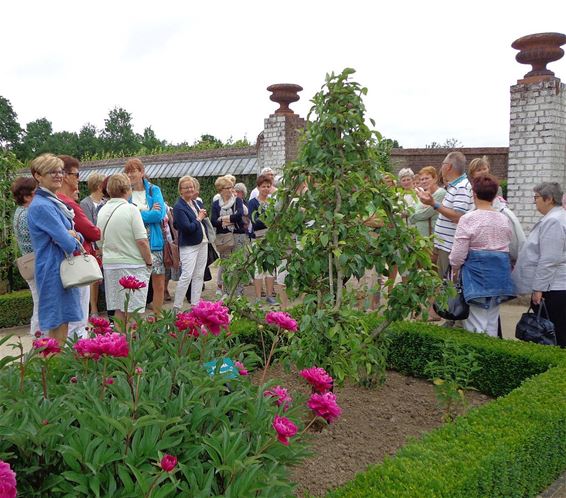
(21, 229)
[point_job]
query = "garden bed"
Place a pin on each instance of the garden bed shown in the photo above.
(374, 423)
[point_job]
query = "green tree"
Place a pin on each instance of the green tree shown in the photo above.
(10, 129)
(63, 142)
(35, 139)
(207, 142)
(88, 143)
(325, 234)
(449, 143)
(150, 141)
(118, 136)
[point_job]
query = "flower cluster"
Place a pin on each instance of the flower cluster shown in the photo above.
(282, 320)
(100, 325)
(168, 463)
(131, 283)
(213, 315)
(48, 346)
(325, 406)
(281, 395)
(108, 344)
(284, 428)
(318, 378)
(7, 481)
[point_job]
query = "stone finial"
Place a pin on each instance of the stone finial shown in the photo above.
(538, 50)
(284, 94)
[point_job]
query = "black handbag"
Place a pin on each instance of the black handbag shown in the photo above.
(458, 308)
(534, 328)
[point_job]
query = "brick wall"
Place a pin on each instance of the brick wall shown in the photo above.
(418, 158)
(537, 143)
(279, 142)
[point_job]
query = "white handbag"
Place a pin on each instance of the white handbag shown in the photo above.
(79, 271)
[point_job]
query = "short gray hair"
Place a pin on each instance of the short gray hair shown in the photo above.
(550, 190)
(457, 160)
(241, 187)
(406, 172)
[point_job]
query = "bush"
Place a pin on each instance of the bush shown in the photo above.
(16, 308)
(513, 446)
(74, 426)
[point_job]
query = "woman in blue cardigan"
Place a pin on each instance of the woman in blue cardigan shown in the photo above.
(193, 242)
(149, 200)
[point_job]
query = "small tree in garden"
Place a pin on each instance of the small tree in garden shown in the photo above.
(334, 218)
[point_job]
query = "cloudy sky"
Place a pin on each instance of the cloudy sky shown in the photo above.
(434, 69)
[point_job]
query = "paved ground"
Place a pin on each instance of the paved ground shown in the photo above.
(510, 315)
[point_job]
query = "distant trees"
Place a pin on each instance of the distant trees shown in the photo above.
(116, 139)
(449, 143)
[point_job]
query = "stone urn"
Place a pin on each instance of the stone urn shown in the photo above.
(284, 94)
(538, 50)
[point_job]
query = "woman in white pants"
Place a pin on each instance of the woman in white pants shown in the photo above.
(193, 242)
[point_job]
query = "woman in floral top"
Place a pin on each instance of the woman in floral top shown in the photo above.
(23, 190)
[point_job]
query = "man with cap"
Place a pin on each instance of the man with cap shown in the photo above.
(268, 172)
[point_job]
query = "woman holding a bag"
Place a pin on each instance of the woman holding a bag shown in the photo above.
(23, 190)
(481, 253)
(52, 236)
(227, 218)
(541, 267)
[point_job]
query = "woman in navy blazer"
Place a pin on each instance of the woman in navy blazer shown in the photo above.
(193, 242)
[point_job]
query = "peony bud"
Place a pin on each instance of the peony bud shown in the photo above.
(168, 463)
(139, 370)
(73, 380)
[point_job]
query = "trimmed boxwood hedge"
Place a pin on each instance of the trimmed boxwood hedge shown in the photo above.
(514, 446)
(16, 308)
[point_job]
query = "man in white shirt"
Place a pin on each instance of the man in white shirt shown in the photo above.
(457, 202)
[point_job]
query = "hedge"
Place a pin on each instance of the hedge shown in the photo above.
(513, 446)
(16, 308)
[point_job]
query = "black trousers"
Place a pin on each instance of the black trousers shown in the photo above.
(555, 302)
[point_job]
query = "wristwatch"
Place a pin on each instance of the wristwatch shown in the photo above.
(435, 206)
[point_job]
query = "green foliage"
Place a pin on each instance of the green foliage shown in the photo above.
(8, 167)
(118, 134)
(89, 438)
(16, 308)
(10, 129)
(319, 224)
(513, 446)
(451, 377)
(503, 185)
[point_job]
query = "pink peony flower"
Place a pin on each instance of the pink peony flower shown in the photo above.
(214, 316)
(113, 344)
(99, 321)
(282, 320)
(187, 321)
(317, 378)
(131, 283)
(325, 406)
(48, 345)
(241, 368)
(168, 462)
(7, 481)
(284, 428)
(281, 395)
(151, 319)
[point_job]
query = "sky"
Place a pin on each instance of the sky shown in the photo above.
(434, 70)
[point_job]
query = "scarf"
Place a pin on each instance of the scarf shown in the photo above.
(66, 210)
(226, 209)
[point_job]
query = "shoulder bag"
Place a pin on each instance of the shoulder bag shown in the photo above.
(457, 308)
(534, 328)
(80, 270)
(26, 263)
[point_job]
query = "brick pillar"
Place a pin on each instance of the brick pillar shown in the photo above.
(537, 134)
(279, 142)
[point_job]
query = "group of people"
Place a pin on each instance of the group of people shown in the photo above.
(127, 225)
(479, 240)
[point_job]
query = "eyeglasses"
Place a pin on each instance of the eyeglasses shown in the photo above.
(535, 197)
(76, 175)
(55, 173)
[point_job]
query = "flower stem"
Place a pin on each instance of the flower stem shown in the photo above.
(44, 378)
(273, 344)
